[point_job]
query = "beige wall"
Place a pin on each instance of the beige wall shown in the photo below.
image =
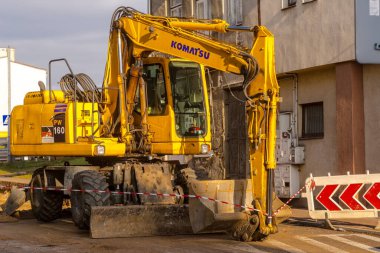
(286, 92)
(371, 86)
(320, 154)
(312, 34)
(315, 86)
(308, 35)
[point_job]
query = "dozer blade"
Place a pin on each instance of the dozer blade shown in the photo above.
(143, 220)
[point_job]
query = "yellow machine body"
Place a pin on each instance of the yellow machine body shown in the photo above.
(42, 127)
(151, 107)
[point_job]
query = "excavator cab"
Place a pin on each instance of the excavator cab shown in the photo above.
(177, 106)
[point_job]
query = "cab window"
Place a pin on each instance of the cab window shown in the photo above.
(155, 89)
(188, 98)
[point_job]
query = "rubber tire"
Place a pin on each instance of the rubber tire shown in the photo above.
(82, 201)
(46, 205)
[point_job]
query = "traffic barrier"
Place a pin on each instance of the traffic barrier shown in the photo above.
(344, 196)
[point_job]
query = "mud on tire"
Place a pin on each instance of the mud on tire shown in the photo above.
(81, 201)
(46, 205)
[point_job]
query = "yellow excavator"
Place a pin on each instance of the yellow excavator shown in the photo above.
(142, 131)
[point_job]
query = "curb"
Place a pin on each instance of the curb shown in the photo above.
(359, 230)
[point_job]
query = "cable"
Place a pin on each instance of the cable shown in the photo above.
(86, 91)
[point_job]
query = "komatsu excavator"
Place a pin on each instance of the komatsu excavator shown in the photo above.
(142, 131)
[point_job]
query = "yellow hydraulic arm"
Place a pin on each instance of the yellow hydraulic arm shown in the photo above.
(134, 35)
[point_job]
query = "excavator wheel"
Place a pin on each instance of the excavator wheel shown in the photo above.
(88, 182)
(46, 205)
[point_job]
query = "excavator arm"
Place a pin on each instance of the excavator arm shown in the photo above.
(135, 35)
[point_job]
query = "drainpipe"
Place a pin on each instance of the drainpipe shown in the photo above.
(294, 122)
(166, 8)
(258, 12)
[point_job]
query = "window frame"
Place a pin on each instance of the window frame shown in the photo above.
(308, 1)
(206, 11)
(175, 3)
(304, 134)
(238, 16)
(175, 8)
(287, 5)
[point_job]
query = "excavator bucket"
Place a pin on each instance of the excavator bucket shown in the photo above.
(201, 215)
(207, 216)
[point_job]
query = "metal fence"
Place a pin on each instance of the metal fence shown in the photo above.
(4, 150)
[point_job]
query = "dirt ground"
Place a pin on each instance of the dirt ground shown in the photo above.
(25, 234)
(29, 235)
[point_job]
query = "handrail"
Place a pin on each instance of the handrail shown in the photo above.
(75, 93)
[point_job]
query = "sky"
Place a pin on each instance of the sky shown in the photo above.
(78, 30)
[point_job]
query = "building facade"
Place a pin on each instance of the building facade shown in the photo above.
(328, 65)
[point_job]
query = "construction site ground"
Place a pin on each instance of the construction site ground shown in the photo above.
(298, 234)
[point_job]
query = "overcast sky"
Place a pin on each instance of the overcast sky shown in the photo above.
(41, 30)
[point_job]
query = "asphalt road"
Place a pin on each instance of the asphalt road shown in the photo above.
(29, 235)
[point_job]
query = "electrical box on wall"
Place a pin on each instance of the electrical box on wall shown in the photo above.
(286, 150)
(286, 180)
(298, 155)
(367, 22)
(289, 156)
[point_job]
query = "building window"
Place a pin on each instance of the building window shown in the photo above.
(176, 8)
(202, 10)
(234, 11)
(312, 120)
(175, 3)
(307, 1)
(288, 3)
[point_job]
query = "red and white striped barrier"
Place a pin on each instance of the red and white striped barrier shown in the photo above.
(157, 194)
(250, 208)
(345, 196)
